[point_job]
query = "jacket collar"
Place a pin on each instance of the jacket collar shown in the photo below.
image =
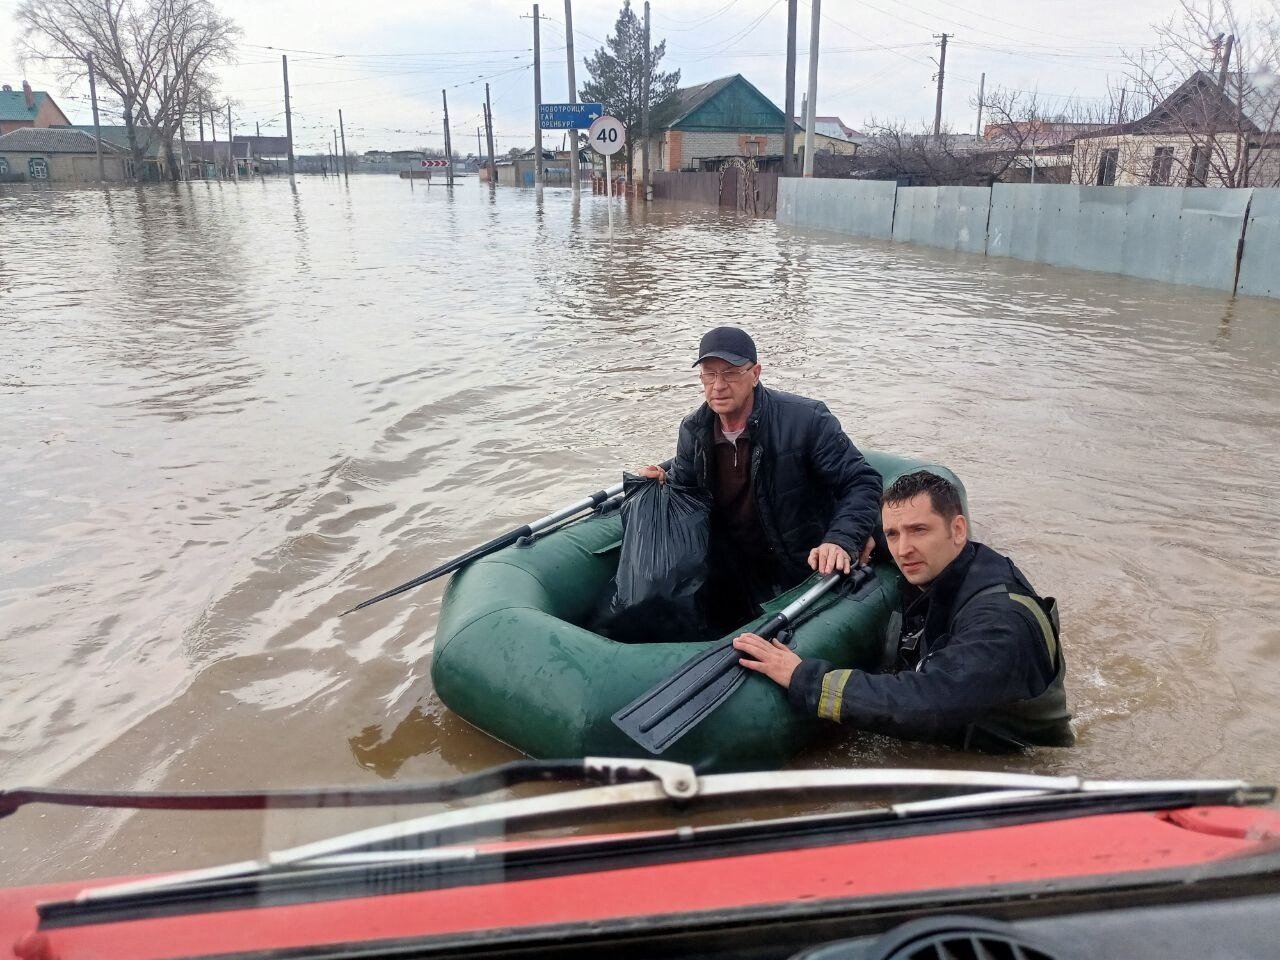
(937, 596)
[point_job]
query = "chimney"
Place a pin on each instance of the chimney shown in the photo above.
(26, 92)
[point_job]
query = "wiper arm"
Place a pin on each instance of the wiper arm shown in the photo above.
(457, 826)
(677, 780)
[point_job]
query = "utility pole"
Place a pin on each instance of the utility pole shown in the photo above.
(231, 144)
(448, 142)
(346, 172)
(1206, 155)
(479, 148)
(488, 119)
(573, 91)
(788, 134)
(1120, 109)
(257, 129)
(335, 152)
(200, 111)
(288, 115)
(644, 108)
(982, 87)
(537, 103)
(942, 70)
(811, 122)
(97, 130)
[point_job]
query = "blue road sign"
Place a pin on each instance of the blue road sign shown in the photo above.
(569, 116)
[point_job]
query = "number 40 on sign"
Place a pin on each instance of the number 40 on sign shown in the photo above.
(607, 135)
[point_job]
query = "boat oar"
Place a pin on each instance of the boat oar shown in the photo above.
(498, 543)
(664, 714)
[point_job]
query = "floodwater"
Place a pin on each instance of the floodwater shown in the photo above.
(231, 411)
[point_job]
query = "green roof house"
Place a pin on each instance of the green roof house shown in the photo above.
(28, 108)
(727, 117)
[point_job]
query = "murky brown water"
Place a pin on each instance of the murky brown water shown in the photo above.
(231, 411)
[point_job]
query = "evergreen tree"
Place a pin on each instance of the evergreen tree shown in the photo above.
(617, 79)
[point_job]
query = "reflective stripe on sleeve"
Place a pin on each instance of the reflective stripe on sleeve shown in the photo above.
(832, 694)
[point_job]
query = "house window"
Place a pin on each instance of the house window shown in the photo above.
(1161, 166)
(1197, 154)
(4, 167)
(38, 167)
(1107, 167)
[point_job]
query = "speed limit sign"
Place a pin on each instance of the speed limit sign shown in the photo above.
(608, 135)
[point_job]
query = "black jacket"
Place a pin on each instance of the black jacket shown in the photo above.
(811, 484)
(973, 661)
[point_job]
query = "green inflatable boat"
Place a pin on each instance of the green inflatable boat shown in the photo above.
(512, 658)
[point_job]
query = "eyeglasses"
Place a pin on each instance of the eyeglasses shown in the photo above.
(731, 375)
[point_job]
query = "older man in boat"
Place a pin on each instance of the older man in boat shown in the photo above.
(973, 659)
(790, 492)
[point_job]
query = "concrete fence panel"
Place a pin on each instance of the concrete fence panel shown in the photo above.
(861, 208)
(954, 218)
(1160, 233)
(1260, 266)
(1171, 234)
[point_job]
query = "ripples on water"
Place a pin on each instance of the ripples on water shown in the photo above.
(229, 412)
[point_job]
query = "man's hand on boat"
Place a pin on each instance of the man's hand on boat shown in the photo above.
(653, 472)
(769, 657)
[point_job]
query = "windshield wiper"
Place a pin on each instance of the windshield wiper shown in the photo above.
(639, 784)
(678, 780)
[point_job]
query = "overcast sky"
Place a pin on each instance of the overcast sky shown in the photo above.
(384, 63)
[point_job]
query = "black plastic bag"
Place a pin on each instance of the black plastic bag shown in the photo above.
(666, 532)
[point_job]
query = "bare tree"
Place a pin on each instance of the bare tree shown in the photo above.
(950, 158)
(157, 56)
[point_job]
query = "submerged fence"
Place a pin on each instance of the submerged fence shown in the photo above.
(747, 191)
(1225, 239)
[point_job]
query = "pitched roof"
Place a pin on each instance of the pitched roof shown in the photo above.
(13, 104)
(119, 136)
(691, 98)
(1189, 106)
(833, 127)
(51, 140)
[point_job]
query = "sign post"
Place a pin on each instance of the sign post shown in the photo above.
(607, 136)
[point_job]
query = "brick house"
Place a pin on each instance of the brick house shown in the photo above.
(28, 108)
(724, 117)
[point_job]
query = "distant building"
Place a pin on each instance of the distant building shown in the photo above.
(833, 135)
(520, 170)
(208, 159)
(28, 108)
(152, 151)
(724, 117)
(1164, 147)
(59, 155)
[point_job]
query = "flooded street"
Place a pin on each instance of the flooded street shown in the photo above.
(232, 411)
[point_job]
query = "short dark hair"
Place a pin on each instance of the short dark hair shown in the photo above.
(943, 495)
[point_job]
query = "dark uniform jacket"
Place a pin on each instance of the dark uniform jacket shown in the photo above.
(810, 485)
(972, 661)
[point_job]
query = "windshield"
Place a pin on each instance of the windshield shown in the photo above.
(233, 409)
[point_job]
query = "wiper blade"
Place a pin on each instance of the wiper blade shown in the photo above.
(460, 825)
(677, 780)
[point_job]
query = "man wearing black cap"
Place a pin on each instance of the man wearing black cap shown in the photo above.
(790, 492)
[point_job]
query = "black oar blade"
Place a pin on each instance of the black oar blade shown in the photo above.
(661, 716)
